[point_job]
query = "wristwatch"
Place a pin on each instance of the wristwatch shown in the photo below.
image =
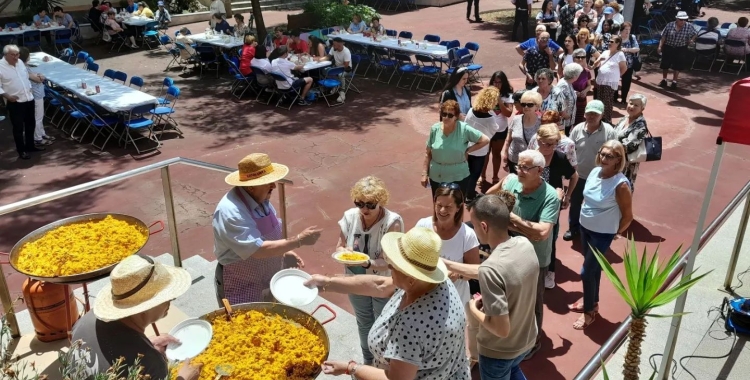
(369, 264)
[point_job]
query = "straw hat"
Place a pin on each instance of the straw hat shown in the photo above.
(256, 169)
(416, 254)
(138, 284)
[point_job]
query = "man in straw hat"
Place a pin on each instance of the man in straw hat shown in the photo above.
(248, 241)
(138, 295)
(420, 332)
(508, 280)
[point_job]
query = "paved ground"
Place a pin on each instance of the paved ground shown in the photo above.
(380, 132)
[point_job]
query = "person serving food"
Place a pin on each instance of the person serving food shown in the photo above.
(248, 241)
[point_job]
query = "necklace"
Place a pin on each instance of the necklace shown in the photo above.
(365, 227)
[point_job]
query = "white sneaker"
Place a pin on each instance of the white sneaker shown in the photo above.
(342, 96)
(549, 280)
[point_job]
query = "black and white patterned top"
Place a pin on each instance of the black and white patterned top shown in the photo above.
(567, 16)
(535, 60)
(428, 333)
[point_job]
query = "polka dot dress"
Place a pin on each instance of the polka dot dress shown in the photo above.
(429, 333)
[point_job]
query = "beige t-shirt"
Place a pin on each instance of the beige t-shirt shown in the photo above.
(508, 281)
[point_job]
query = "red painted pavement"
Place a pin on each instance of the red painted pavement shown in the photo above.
(380, 132)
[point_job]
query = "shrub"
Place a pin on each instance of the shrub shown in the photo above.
(328, 13)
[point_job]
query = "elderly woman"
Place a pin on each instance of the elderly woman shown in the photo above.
(631, 130)
(565, 145)
(481, 118)
(740, 33)
(551, 96)
(581, 86)
(612, 65)
(460, 243)
(630, 48)
(606, 212)
(240, 28)
(521, 130)
(362, 228)
(568, 96)
(114, 28)
(503, 111)
(406, 342)
(247, 55)
(447, 149)
(357, 25)
(456, 89)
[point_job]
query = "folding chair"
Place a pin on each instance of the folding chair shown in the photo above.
(7, 40)
(705, 54)
(406, 35)
(741, 59)
(89, 60)
(164, 113)
(177, 56)
(206, 57)
(109, 73)
(349, 76)
(93, 67)
(384, 62)
(473, 48)
(331, 85)
(75, 113)
(432, 38)
(33, 38)
(136, 81)
(405, 66)
(239, 79)
(647, 42)
(103, 125)
(68, 55)
(427, 68)
(150, 33)
(264, 81)
(391, 33)
(95, 26)
(82, 57)
(165, 84)
(137, 122)
(295, 92)
(119, 75)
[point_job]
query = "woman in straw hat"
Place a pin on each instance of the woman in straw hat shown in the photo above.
(248, 241)
(138, 295)
(406, 341)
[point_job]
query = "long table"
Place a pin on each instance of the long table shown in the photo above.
(391, 43)
(19, 31)
(113, 96)
(136, 20)
(226, 42)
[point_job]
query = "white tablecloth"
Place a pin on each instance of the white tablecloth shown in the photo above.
(137, 21)
(113, 96)
(17, 31)
(392, 43)
(227, 42)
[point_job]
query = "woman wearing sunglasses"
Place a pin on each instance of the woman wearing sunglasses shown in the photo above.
(521, 130)
(448, 149)
(612, 65)
(362, 228)
(606, 211)
(581, 86)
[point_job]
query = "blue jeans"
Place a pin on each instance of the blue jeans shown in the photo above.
(501, 369)
(576, 200)
(591, 272)
(366, 310)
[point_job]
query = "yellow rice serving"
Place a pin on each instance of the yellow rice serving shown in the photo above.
(81, 247)
(259, 346)
(353, 256)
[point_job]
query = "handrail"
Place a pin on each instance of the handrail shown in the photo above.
(618, 337)
(163, 166)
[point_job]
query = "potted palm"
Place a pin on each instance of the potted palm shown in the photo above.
(645, 278)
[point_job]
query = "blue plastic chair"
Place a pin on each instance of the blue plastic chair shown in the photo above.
(405, 34)
(33, 38)
(109, 73)
(150, 33)
(83, 57)
(101, 124)
(240, 81)
(68, 55)
(61, 38)
(434, 38)
(206, 57)
(136, 122)
(406, 66)
(278, 77)
(119, 75)
(12, 25)
(93, 67)
(331, 84)
(165, 84)
(391, 33)
(264, 81)
(473, 48)
(136, 81)
(384, 63)
(428, 68)
(164, 113)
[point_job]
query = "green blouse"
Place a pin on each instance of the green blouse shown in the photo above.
(448, 162)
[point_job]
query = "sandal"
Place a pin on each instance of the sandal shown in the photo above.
(480, 181)
(581, 322)
(495, 180)
(578, 307)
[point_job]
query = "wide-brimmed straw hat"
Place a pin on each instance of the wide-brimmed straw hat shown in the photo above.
(256, 169)
(416, 254)
(138, 284)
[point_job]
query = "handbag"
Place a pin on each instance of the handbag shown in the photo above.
(648, 150)
(637, 64)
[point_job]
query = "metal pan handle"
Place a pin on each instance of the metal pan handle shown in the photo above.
(161, 227)
(329, 309)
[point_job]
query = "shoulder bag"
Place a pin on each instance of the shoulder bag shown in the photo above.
(648, 150)
(637, 64)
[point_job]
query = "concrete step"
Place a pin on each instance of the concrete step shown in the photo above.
(245, 6)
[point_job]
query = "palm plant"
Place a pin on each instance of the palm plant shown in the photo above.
(645, 279)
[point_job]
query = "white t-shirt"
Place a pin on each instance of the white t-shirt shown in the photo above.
(261, 63)
(339, 57)
(464, 240)
(487, 125)
(609, 71)
(285, 67)
(502, 121)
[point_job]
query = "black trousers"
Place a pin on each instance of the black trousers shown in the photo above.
(627, 79)
(476, 8)
(576, 201)
(21, 116)
(522, 18)
(476, 164)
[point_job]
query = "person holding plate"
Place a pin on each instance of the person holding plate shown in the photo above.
(248, 241)
(362, 228)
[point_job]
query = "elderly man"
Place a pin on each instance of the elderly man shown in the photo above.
(341, 57)
(532, 43)
(534, 216)
(501, 322)
(162, 15)
(523, 10)
(15, 88)
(588, 136)
(248, 241)
(283, 66)
(673, 47)
(138, 295)
(536, 58)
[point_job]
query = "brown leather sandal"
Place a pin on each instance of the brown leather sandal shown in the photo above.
(578, 307)
(581, 323)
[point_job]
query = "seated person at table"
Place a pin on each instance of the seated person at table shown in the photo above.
(284, 67)
(41, 17)
(240, 27)
(376, 28)
(248, 53)
(137, 294)
(710, 34)
(740, 33)
(221, 25)
(184, 39)
(260, 59)
(357, 25)
(317, 47)
(144, 10)
(339, 55)
(131, 8)
(64, 19)
(297, 45)
(105, 7)
(95, 14)
(279, 38)
(116, 29)
(162, 15)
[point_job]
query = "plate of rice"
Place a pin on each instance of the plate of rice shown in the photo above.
(350, 257)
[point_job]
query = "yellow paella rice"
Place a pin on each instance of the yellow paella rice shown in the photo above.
(353, 256)
(81, 247)
(261, 347)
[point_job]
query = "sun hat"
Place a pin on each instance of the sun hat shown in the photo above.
(256, 169)
(138, 284)
(609, 10)
(682, 15)
(416, 254)
(595, 106)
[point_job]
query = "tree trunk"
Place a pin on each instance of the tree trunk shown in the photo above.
(228, 8)
(260, 25)
(631, 369)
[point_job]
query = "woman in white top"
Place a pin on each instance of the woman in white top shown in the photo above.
(612, 64)
(460, 243)
(548, 17)
(357, 25)
(482, 118)
(362, 228)
(503, 111)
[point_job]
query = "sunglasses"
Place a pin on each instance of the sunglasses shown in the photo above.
(450, 185)
(528, 105)
(547, 145)
(369, 205)
(447, 115)
(607, 156)
(579, 57)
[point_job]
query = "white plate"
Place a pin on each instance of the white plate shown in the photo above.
(287, 288)
(194, 336)
(337, 256)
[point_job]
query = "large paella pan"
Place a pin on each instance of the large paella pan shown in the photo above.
(79, 248)
(266, 341)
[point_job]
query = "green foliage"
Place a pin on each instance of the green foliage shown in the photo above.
(328, 13)
(645, 278)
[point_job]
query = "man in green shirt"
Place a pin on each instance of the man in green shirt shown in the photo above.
(533, 216)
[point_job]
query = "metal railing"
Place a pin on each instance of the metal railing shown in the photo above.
(163, 166)
(618, 337)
